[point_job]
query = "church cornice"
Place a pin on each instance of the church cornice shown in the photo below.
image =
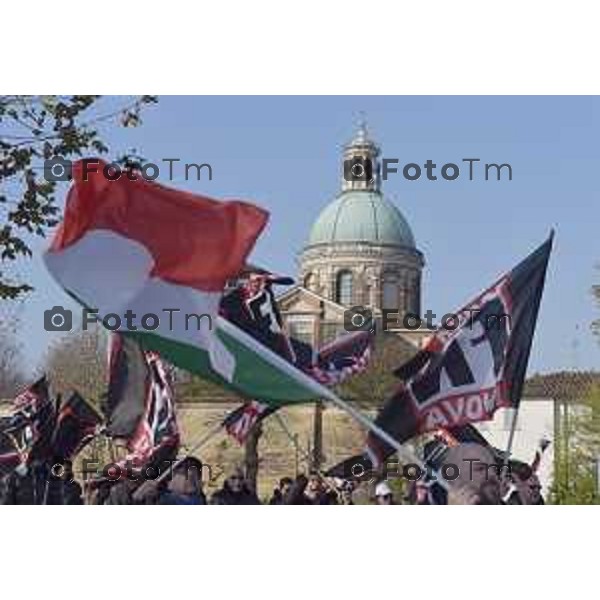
(361, 251)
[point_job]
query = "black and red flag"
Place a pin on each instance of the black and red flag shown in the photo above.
(474, 365)
(342, 358)
(32, 396)
(253, 308)
(128, 384)
(29, 427)
(157, 435)
(10, 457)
(77, 423)
(140, 406)
(239, 422)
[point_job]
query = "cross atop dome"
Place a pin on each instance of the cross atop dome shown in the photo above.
(362, 134)
(361, 138)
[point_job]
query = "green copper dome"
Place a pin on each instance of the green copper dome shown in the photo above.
(361, 216)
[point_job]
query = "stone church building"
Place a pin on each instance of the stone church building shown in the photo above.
(360, 251)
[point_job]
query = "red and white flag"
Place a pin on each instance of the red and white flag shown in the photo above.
(135, 245)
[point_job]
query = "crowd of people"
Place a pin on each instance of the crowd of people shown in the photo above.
(477, 481)
(38, 484)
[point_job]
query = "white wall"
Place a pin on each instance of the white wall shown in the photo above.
(535, 421)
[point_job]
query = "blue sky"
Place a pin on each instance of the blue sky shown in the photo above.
(284, 154)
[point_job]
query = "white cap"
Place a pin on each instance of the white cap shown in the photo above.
(383, 489)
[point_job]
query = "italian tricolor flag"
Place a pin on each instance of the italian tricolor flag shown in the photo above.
(138, 246)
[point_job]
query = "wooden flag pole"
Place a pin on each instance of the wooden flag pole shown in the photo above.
(302, 452)
(404, 453)
(292, 438)
(511, 436)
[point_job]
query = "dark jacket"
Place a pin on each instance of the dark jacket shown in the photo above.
(63, 492)
(32, 488)
(277, 497)
(38, 486)
(296, 494)
(169, 497)
(227, 496)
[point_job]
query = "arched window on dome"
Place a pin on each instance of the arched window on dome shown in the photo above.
(343, 288)
(390, 295)
(310, 281)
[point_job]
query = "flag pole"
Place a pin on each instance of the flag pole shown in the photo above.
(303, 453)
(404, 453)
(511, 436)
(291, 436)
(57, 403)
(199, 444)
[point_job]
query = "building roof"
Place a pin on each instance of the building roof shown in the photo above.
(361, 216)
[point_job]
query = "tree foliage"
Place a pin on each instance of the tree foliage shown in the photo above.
(577, 452)
(11, 377)
(77, 361)
(577, 443)
(38, 128)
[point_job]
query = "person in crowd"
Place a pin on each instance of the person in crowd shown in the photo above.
(235, 491)
(4, 488)
(181, 485)
(318, 492)
(345, 491)
(472, 474)
(285, 483)
(418, 493)
(383, 493)
(98, 491)
(185, 484)
(535, 490)
(521, 485)
(61, 487)
(314, 491)
(27, 484)
(309, 490)
(121, 492)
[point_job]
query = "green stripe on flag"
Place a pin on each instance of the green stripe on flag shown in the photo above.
(259, 373)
